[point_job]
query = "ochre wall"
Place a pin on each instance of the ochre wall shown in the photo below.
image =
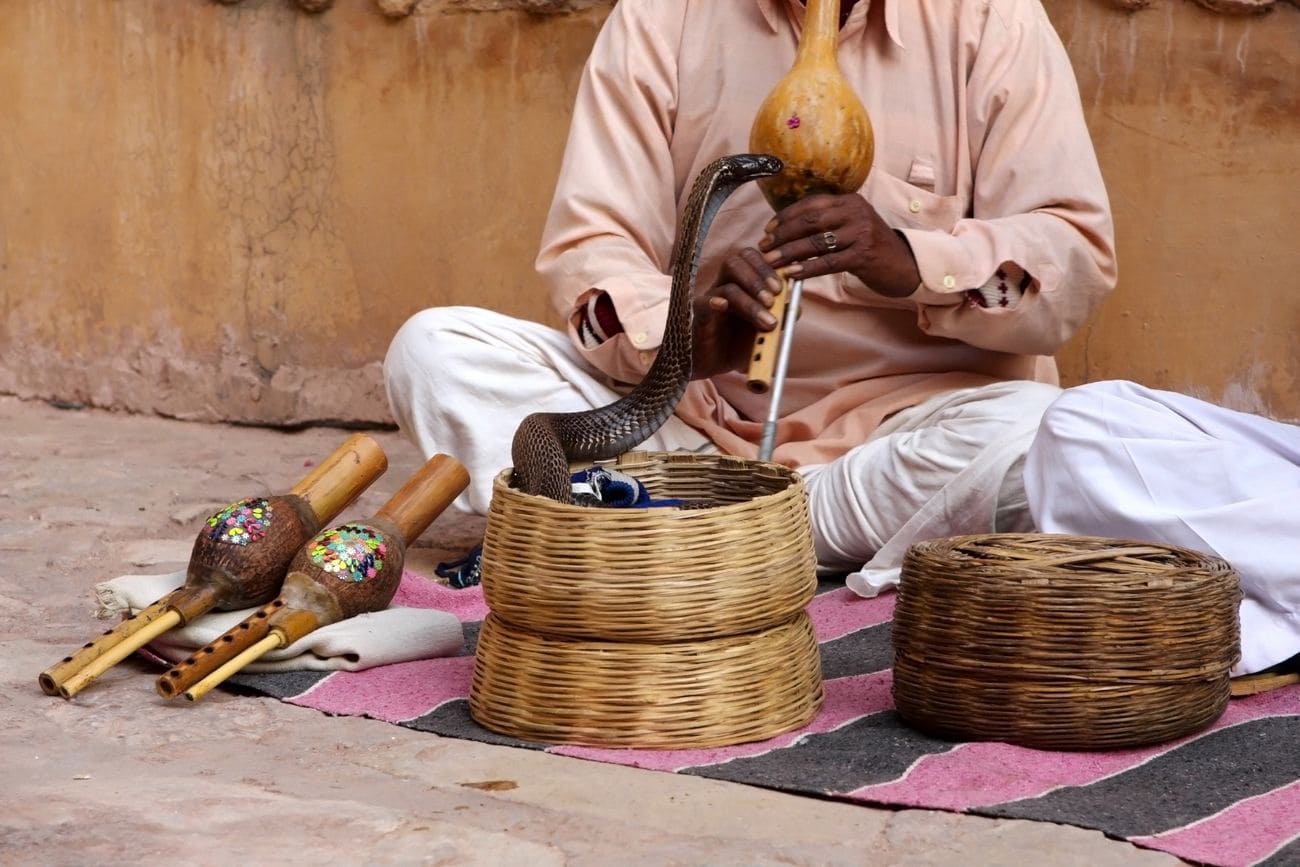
(1196, 120)
(224, 211)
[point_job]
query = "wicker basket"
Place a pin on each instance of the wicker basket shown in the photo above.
(685, 694)
(655, 574)
(1063, 642)
(651, 628)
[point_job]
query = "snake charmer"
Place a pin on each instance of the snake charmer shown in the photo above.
(933, 300)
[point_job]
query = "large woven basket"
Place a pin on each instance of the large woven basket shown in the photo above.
(651, 628)
(705, 693)
(1063, 642)
(655, 574)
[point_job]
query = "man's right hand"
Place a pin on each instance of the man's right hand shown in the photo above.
(731, 312)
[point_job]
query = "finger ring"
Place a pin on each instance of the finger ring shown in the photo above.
(831, 242)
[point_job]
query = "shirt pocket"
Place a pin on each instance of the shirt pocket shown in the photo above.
(907, 206)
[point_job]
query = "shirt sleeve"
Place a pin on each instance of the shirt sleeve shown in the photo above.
(1038, 200)
(613, 219)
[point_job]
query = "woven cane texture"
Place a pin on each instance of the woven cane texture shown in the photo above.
(658, 574)
(1063, 642)
(676, 695)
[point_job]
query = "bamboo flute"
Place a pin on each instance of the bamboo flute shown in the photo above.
(343, 571)
(1264, 681)
(238, 560)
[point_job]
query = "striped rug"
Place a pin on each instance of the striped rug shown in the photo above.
(1229, 795)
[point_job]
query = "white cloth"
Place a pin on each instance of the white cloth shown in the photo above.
(946, 467)
(393, 635)
(1118, 459)
(460, 379)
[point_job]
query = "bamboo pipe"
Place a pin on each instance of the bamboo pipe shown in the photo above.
(762, 361)
(1253, 684)
(817, 126)
(767, 444)
(346, 570)
(238, 560)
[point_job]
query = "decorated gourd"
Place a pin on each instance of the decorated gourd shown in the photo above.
(812, 120)
(348, 569)
(815, 123)
(238, 560)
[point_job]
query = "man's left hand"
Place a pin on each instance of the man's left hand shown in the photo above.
(827, 234)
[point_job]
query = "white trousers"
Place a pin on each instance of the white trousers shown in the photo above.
(1117, 459)
(460, 379)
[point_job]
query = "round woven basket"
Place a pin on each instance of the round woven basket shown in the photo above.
(1063, 642)
(685, 694)
(656, 574)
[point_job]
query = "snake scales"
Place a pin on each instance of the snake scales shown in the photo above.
(545, 443)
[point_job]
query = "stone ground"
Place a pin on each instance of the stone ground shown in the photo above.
(117, 776)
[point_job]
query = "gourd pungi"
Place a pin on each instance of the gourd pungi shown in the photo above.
(818, 127)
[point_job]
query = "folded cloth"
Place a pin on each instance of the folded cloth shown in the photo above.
(395, 634)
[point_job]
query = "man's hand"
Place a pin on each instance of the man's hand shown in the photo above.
(827, 234)
(732, 311)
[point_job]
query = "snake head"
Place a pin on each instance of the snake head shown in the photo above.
(749, 167)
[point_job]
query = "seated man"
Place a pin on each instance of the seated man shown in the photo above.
(1117, 459)
(921, 364)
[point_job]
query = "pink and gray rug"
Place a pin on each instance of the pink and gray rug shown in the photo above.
(1229, 795)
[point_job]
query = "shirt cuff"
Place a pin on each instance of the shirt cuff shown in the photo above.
(945, 267)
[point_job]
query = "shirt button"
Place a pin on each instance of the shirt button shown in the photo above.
(638, 338)
(949, 282)
(914, 206)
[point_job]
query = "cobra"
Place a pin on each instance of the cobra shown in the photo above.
(545, 443)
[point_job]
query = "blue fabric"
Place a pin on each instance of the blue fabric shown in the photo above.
(464, 572)
(605, 487)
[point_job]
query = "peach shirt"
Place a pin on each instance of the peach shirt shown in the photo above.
(982, 157)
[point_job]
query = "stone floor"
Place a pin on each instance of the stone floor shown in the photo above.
(117, 776)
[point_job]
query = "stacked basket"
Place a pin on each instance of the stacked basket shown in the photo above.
(656, 627)
(1063, 642)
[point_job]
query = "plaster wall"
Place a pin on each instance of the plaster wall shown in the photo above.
(1196, 120)
(224, 211)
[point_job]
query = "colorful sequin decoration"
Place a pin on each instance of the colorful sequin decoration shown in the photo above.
(352, 552)
(241, 523)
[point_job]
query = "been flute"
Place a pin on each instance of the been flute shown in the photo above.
(238, 560)
(818, 127)
(345, 570)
